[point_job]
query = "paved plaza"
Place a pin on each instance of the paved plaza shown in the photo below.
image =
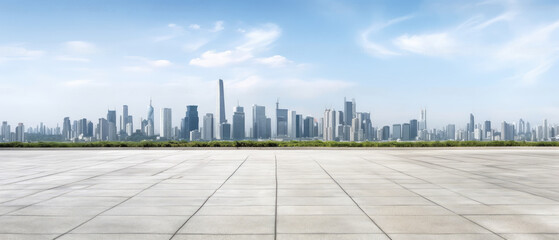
(475, 193)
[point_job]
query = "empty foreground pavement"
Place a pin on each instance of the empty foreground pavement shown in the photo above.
(476, 193)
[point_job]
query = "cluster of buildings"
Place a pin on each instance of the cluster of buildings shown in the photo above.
(334, 125)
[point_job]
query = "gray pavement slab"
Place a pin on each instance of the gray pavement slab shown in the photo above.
(443, 193)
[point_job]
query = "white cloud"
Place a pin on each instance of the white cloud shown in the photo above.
(194, 45)
(160, 63)
(218, 26)
(374, 48)
(256, 40)
(71, 59)
(8, 53)
(80, 47)
(218, 59)
(194, 26)
(274, 61)
(440, 44)
(146, 65)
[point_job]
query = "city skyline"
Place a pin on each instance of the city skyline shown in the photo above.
(491, 58)
(348, 125)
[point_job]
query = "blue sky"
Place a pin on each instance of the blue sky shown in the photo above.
(495, 58)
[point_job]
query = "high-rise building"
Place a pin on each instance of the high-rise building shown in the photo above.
(225, 131)
(471, 125)
(281, 122)
(103, 129)
(67, 129)
(521, 126)
(20, 133)
(190, 122)
(238, 128)
(487, 127)
(413, 129)
(349, 112)
(450, 132)
(259, 122)
(111, 118)
(355, 130)
(208, 127)
(423, 120)
(396, 131)
(6, 132)
(507, 132)
(406, 132)
(150, 128)
(329, 125)
(385, 133)
(220, 118)
(545, 131)
(308, 127)
(124, 118)
(166, 124)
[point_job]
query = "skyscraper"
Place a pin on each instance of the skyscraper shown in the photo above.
(545, 130)
(238, 131)
(329, 125)
(5, 132)
(281, 122)
(190, 121)
(20, 133)
(124, 119)
(308, 127)
(349, 112)
(413, 129)
(451, 132)
(150, 121)
(67, 129)
(259, 122)
(103, 129)
(472, 123)
(423, 120)
(208, 127)
(220, 118)
(396, 131)
(406, 132)
(111, 118)
(165, 122)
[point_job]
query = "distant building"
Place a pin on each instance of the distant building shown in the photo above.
(329, 125)
(281, 122)
(413, 129)
(406, 132)
(220, 118)
(450, 132)
(111, 118)
(396, 131)
(259, 122)
(190, 122)
(238, 127)
(208, 127)
(150, 128)
(166, 124)
(20, 133)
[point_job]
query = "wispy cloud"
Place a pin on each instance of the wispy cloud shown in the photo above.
(373, 47)
(440, 44)
(10, 53)
(145, 65)
(255, 41)
(80, 47)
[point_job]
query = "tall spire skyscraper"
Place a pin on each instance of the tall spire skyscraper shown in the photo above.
(221, 125)
(151, 120)
(221, 104)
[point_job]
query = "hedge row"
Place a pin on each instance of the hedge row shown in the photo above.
(241, 144)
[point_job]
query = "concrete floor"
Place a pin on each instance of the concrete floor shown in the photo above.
(503, 193)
